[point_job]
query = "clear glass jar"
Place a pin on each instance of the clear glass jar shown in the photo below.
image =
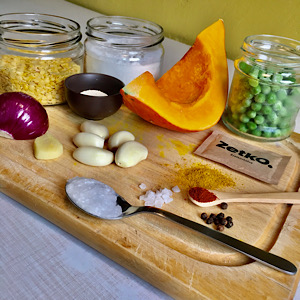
(37, 53)
(264, 98)
(123, 47)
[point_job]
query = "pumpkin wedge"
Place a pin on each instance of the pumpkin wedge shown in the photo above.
(192, 95)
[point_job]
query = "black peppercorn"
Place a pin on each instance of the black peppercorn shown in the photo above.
(213, 216)
(223, 205)
(229, 218)
(209, 220)
(216, 221)
(229, 224)
(204, 216)
(220, 227)
(223, 221)
(220, 216)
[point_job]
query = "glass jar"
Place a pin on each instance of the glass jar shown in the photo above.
(37, 53)
(123, 47)
(264, 98)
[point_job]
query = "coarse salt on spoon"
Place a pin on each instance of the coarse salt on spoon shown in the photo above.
(204, 198)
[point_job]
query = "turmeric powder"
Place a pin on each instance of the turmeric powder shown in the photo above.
(203, 176)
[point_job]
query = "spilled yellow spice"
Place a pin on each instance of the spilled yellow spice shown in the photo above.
(162, 154)
(202, 176)
(182, 148)
(160, 137)
(179, 146)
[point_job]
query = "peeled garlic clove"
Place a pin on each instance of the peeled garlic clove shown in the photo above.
(47, 147)
(88, 139)
(95, 127)
(130, 154)
(93, 156)
(119, 138)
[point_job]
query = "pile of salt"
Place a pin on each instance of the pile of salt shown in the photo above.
(94, 197)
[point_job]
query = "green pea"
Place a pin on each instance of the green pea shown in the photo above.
(251, 114)
(267, 134)
(273, 118)
(271, 98)
(260, 73)
(283, 112)
(276, 78)
(259, 119)
(266, 109)
(277, 133)
(244, 118)
(235, 116)
(241, 108)
(277, 106)
(265, 89)
(260, 98)
(254, 72)
(286, 131)
(289, 103)
(251, 125)
(275, 88)
(281, 94)
(256, 106)
(253, 82)
(284, 123)
(243, 127)
(245, 67)
(256, 132)
(246, 102)
(255, 90)
(247, 95)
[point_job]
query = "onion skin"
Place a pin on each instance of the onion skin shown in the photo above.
(22, 117)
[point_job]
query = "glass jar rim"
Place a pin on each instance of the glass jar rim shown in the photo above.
(279, 50)
(36, 30)
(120, 31)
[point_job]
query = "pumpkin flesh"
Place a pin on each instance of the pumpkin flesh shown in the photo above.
(192, 95)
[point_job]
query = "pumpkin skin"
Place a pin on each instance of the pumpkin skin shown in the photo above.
(192, 95)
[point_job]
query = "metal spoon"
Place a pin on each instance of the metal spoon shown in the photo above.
(128, 210)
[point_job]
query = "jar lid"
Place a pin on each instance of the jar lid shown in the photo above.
(273, 49)
(124, 31)
(38, 30)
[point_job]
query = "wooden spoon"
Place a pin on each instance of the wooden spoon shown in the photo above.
(275, 198)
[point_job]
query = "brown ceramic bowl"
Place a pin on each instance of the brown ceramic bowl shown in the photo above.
(93, 107)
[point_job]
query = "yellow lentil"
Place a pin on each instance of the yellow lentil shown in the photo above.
(202, 175)
(41, 79)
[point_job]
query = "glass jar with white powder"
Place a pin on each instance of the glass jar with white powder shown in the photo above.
(123, 47)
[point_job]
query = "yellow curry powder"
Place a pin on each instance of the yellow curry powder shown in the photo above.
(202, 176)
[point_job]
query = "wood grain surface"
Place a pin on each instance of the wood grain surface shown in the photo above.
(177, 260)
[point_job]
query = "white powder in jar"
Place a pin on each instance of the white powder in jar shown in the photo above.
(94, 197)
(93, 93)
(123, 66)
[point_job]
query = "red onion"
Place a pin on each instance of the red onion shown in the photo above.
(22, 117)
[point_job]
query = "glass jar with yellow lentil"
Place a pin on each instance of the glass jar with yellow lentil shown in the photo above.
(37, 53)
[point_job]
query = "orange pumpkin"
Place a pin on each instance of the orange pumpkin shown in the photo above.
(192, 95)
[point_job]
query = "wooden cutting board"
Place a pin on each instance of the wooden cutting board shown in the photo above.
(177, 260)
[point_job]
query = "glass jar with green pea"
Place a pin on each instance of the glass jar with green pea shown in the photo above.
(264, 98)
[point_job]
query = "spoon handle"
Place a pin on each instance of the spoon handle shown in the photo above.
(253, 252)
(286, 197)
